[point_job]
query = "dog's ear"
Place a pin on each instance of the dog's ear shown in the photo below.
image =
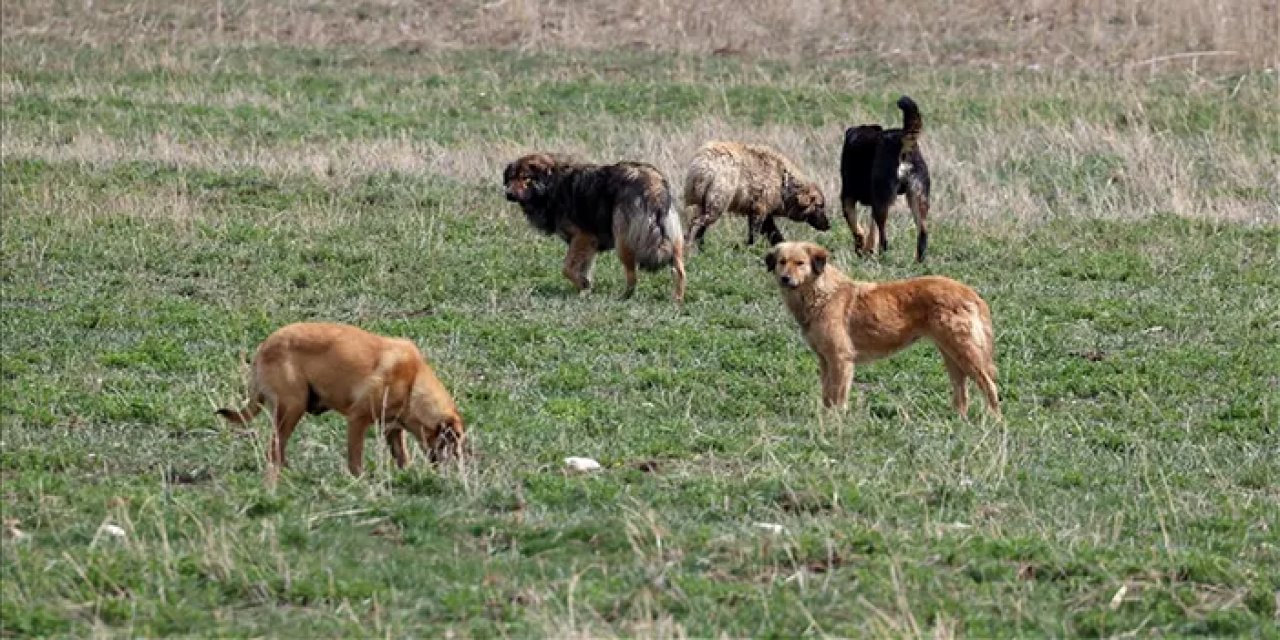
(819, 257)
(771, 260)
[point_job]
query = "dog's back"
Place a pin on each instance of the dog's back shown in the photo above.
(338, 364)
(857, 158)
(589, 195)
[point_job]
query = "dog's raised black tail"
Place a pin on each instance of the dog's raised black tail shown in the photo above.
(912, 123)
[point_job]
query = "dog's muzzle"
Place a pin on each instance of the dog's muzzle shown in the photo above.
(787, 281)
(448, 445)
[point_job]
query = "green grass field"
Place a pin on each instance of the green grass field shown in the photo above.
(163, 213)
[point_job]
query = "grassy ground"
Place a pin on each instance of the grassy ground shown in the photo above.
(163, 213)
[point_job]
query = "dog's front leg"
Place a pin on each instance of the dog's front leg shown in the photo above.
(839, 378)
(395, 442)
(579, 260)
(754, 224)
(771, 231)
(824, 375)
(357, 426)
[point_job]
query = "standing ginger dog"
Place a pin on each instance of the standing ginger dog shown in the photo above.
(847, 322)
(316, 367)
(751, 180)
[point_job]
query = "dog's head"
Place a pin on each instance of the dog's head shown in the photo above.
(441, 438)
(448, 440)
(525, 180)
(803, 201)
(796, 263)
(432, 417)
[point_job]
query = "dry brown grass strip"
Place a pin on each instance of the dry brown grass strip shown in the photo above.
(977, 168)
(1120, 34)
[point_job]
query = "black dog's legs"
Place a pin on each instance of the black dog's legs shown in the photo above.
(850, 209)
(754, 226)
(879, 238)
(771, 231)
(918, 201)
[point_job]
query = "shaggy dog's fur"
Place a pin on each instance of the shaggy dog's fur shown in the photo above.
(847, 322)
(596, 208)
(750, 180)
(876, 166)
(314, 367)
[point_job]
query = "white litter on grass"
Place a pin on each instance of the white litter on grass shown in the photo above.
(770, 527)
(108, 530)
(12, 532)
(1118, 598)
(581, 464)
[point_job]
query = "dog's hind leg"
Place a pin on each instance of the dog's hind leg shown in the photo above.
(974, 361)
(959, 384)
(849, 207)
(628, 257)
(918, 201)
(878, 239)
(709, 211)
(987, 382)
(677, 269)
(285, 417)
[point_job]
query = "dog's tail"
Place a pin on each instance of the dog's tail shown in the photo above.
(650, 225)
(252, 407)
(983, 333)
(912, 124)
(655, 238)
(242, 416)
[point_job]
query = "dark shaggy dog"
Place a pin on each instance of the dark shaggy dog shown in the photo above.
(876, 166)
(596, 208)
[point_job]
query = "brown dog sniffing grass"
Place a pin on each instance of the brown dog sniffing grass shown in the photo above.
(314, 367)
(846, 322)
(752, 180)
